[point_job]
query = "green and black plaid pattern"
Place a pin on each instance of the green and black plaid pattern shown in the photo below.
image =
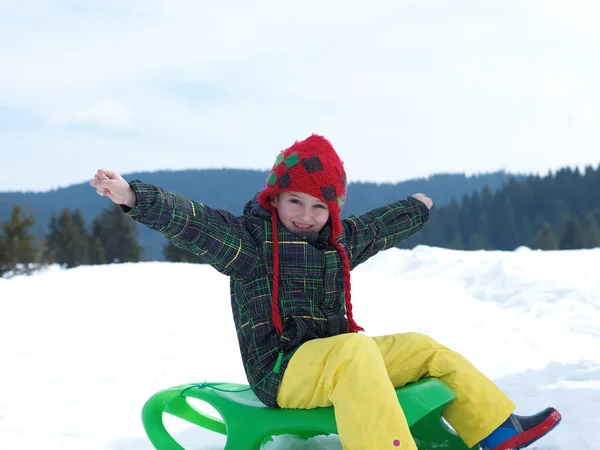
(311, 294)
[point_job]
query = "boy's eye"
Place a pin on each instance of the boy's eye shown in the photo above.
(320, 206)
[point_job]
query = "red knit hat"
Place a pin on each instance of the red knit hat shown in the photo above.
(311, 167)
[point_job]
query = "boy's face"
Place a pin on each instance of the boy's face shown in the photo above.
(300, 213)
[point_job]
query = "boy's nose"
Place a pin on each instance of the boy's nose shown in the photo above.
(306, 215)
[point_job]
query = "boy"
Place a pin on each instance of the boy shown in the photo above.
(289, 258)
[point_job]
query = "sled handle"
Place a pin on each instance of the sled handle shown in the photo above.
(170, 401)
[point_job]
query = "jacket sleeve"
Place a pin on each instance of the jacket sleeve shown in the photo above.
(383, 228)
(216, 236)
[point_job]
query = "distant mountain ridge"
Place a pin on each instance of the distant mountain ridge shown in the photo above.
(230, 189)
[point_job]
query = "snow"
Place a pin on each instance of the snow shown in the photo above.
(81, 350)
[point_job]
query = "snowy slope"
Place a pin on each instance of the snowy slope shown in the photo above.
(83, 349)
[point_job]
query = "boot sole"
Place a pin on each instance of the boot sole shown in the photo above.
(528, 437)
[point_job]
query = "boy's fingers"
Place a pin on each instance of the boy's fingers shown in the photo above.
(102, 184)
(106, 174)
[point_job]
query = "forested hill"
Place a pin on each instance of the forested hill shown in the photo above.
(230, 189)
(557, 211)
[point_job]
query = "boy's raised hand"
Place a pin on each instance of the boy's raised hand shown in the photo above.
(112, 185)
(423, 198)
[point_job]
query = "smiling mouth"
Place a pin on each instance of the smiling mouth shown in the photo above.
(301, 226)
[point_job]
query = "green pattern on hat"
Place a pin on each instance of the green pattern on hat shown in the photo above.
(272, 179)
(292, 160)
(279, 159)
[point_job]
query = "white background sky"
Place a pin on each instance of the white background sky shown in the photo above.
(402, 88)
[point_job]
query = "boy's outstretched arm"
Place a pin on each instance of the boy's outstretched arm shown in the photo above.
(217, 236)
(384, 227)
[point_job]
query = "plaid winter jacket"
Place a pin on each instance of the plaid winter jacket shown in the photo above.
(311, 293)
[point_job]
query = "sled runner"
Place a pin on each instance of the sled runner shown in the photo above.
(248, 423)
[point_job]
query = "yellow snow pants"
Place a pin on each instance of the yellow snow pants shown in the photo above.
(357, 374)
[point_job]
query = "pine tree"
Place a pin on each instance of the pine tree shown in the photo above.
(97, 251)
(456, 243)
(433, 234)
(53, 241)
(483, 227)
(591, 232)
(572, 237)
(78, 246)
(451, 223)
(510, 238)
(548, 240)
(478, 242)
(117, 234)
(559, 215)
(67, 241)
(17, 252)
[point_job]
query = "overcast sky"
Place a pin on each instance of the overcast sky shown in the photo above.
(403, 89)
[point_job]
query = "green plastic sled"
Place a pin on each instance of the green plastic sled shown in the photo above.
(248, 423)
